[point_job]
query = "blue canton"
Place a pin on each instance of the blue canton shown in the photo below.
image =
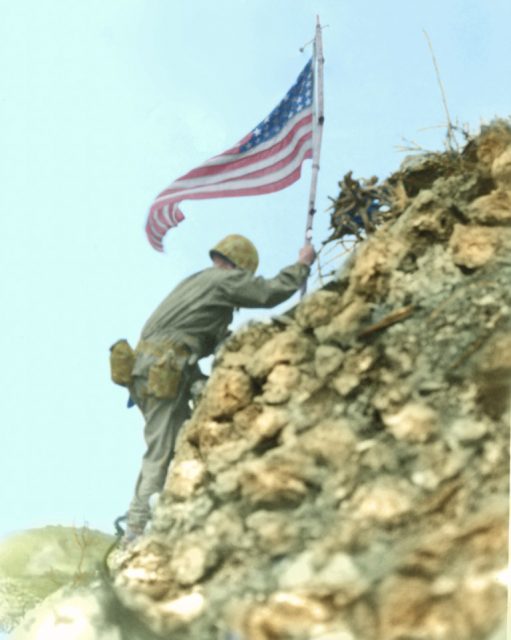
(298, 98)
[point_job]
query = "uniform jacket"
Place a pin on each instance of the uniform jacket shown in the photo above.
(197, 313)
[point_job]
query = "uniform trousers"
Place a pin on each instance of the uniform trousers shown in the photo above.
(163, 420)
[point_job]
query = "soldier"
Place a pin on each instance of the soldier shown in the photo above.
(188, 325)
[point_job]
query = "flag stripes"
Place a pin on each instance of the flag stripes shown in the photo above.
(268, 159)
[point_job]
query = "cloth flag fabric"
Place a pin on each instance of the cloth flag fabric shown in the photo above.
(267, 159)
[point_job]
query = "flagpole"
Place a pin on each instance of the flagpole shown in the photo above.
(317, 133)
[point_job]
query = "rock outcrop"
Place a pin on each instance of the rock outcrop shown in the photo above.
(345, 474)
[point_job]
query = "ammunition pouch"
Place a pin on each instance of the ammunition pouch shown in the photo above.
(122, 359)
(165, 374)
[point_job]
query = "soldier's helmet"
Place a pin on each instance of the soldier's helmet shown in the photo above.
(238, 250)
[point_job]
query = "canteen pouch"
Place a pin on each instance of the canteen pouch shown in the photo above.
(122, 359)
(165, 375)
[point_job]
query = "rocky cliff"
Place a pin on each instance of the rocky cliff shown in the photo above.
(345, 473)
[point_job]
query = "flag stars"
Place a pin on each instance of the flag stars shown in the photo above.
(298, 98)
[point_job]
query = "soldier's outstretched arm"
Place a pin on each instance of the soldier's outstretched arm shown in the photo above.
(242, 289)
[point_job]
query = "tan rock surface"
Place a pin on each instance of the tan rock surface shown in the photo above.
(415, 422)
(494, 208)
(474, 246)
(317, 309)
(228, 391)
(288, 347)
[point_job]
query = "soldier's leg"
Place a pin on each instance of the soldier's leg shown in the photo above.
(163, 421)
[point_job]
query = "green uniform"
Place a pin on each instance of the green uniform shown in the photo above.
(195, 317)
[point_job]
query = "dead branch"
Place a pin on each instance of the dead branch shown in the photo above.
(390, 319)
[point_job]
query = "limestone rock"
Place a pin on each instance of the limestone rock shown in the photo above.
(491, 369)
(269, 423)
(501, 169)
(174, 518)
(327, 360)
(415, 422)
(331, 442)
(342, 577)
(309, 384)
(356, 363)
(212, 433)
(228, 391)
(429, 216)
(495, 358)
(226, 483)
(275, 533)
(285, 615)
(392, 394)
(265, 484)
(376, 260)
(492, 143)
(338, 577)
(343, 325)
(318, 309)
(192, 556)
(279, 385)
(345, 382)
(492, 209)
(380, 457)
(426, 478)
(436, 463)
(225, 527)
(180, 611)
(469, 430)
(384, 502)
(474, 246)
(300, 573)
(185, 477)
(248, 339)
(408, 603)
(287, 347)
(244, 419)
(333, 632)
(224, 455)
(147, 571)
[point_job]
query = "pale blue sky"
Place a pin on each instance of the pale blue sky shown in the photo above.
(104, 103)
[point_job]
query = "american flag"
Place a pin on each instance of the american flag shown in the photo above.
(268, 159)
